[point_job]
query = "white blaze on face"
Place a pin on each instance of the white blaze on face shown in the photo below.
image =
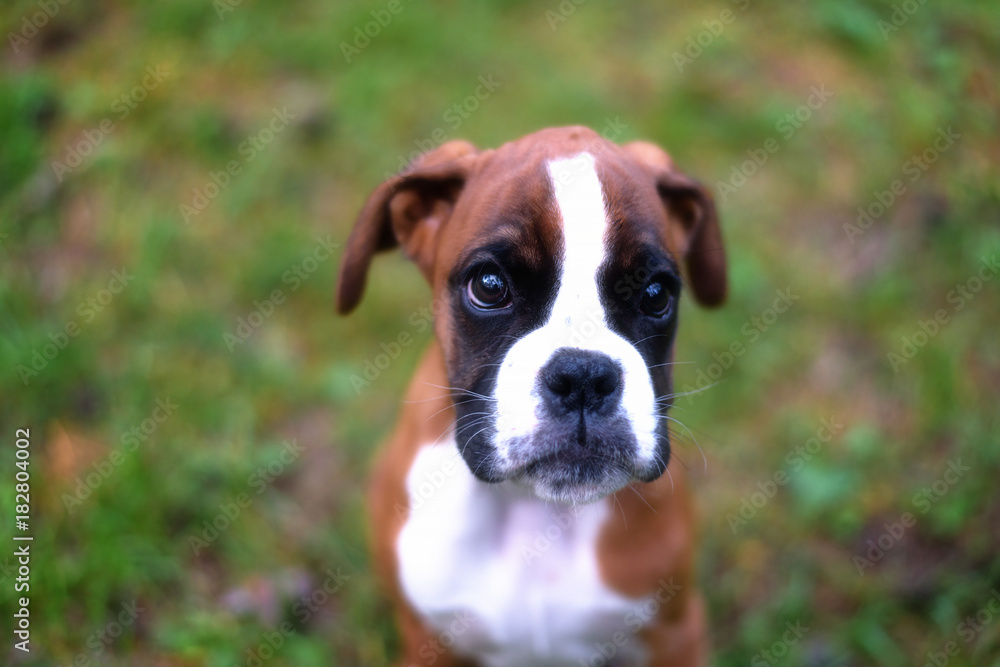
(577, 320)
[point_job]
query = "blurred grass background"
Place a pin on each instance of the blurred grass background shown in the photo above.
(226, 67)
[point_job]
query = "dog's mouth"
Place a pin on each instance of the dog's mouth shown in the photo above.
(575, 477)
(570, 458)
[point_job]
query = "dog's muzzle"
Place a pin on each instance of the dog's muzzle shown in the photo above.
(584, 446)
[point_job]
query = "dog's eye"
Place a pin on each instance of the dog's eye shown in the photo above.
(656, 300)
(487, 289)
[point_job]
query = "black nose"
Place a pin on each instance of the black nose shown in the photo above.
(581, 380)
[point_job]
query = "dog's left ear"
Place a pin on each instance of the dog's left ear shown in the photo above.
(698, 235)
(409, 210)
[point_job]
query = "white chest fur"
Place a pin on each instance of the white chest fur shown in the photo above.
(507, 578)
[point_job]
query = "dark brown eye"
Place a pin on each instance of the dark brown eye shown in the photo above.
(656, 300)
(487, 289)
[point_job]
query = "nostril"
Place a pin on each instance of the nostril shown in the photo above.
(560, 384)
(582, 379)
(606, 385)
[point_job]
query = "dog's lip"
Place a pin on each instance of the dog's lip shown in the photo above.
(571, 459)
(560, 476)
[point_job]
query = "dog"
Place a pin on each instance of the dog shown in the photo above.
(519, 513)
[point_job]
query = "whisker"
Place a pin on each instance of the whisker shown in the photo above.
(639, 496)
(448, 429)
(472, 424)
(624, 520)
(489, 458)
(668, 397)
(680, 461)
(672, 406)
(675, 438)
(428, 400)
(649, 337)
(449, 406)
(696, 443)
(451, 428)
(470, 438)
(460, 390)
(669, 363)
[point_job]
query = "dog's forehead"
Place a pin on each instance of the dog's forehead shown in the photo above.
(512, 196)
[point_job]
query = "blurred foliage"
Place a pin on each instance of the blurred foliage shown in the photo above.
(228, 67)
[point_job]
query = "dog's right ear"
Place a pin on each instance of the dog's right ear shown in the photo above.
(407, 210)
(696, 223)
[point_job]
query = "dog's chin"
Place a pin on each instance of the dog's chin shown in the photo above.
(555, 467)
(575, 494)
(572, 480)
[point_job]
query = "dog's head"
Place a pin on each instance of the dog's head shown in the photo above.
(557, 260)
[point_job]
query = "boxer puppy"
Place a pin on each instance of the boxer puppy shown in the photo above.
(520, 514)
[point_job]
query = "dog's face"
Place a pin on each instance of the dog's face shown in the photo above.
(558, 260)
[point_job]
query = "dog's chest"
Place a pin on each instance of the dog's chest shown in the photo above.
(505, 577)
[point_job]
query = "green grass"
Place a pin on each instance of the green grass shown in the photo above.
(163, 335)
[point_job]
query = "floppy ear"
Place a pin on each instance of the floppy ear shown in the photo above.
(408, 210)
(698, 235)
